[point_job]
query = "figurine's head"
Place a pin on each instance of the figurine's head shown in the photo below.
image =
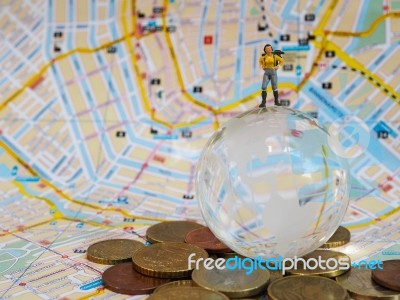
(268, 49)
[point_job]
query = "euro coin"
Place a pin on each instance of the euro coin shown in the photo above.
(339, 238)
(306, 288)
(233, 282)
(123, 279)
(389, 275)
(112, 252)
(167, 260)
(204, 238)
(327, 263)
(359, 284)
(171, 231)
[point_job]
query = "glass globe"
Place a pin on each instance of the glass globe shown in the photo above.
(270, 184)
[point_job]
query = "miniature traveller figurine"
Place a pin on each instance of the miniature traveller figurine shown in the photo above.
(270, 61)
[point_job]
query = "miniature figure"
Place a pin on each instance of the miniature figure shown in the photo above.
(270, 61)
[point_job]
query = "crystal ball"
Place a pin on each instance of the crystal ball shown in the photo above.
(270, 183)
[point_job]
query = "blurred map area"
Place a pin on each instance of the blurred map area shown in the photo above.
(105, 106)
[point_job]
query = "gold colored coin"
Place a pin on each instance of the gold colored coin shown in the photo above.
(113, 252)
(167, 260)
(235, 283)
(171, 231)
(360, 285)
(174, 284)
(187, 293)
(339, 238)
(306, 288)
(333, 263)
(274, 275)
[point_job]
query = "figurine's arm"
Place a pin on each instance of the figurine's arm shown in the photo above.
(261, 62)
(280, 62)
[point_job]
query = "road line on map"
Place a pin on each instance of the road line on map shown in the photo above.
(99, 291)
(325, 17)
(65, 196)
(57, 253)
(48, 201)
(131, 49)
(48, 275)
(352, 63)
(379, 218)
(370, 30)
(151, 111)
(8, 289)
(376, 220)
(327, 44)
(46, 248)
(147, 161)
(320, 32)
(4, 233)
(38, 75)
(377, 187)
(313, 68)
(144, 165)
(179, 74)
(35, 77)
(126, 38)
(30, 281)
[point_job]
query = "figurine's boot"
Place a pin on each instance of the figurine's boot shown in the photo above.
(276, 101)
(264, 99)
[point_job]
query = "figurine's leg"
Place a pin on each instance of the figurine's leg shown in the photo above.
(264, 98)
(274, 81)
(276, 101)
(264, 88)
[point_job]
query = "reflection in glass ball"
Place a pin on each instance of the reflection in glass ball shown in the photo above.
(269, 184)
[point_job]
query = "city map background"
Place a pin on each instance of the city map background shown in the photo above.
(105, 106)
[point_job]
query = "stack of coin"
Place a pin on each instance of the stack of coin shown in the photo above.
(152, 268)
(122, 278)
(139, 269)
